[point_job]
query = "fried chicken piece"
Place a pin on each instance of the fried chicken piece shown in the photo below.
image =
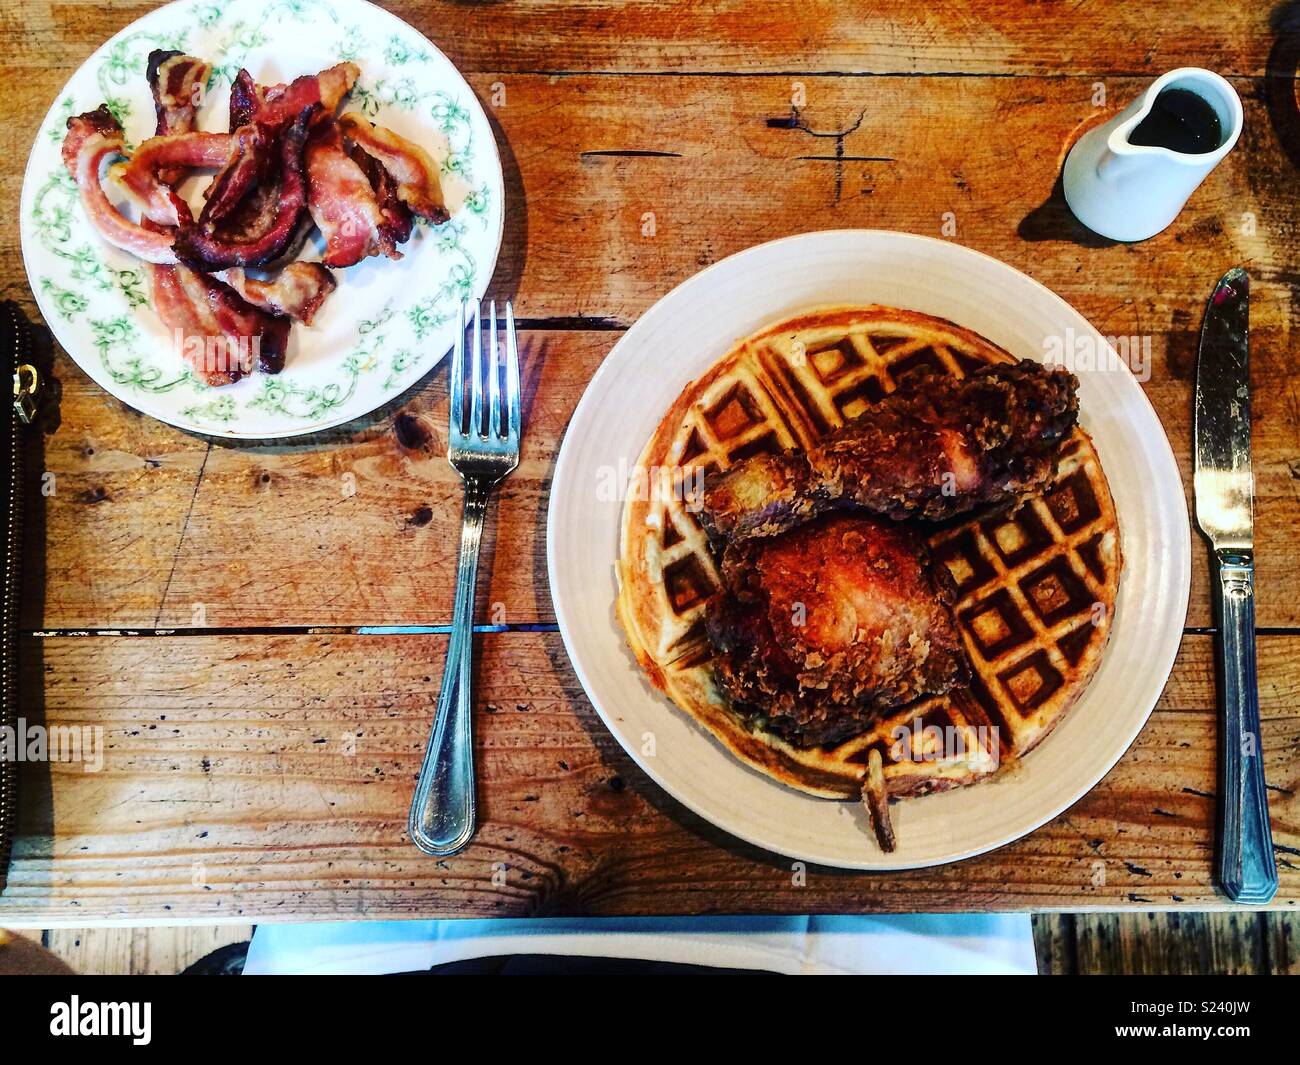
(821, 629)
(935, 447)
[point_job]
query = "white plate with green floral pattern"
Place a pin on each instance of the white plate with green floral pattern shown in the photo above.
(389, 322)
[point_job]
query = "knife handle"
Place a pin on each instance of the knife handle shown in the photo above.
(1247, 870)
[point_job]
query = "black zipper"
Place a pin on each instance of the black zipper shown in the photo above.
(26, 385)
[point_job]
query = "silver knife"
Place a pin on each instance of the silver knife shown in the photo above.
(1225, 495)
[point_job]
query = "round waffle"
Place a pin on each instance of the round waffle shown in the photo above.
(1036, 585)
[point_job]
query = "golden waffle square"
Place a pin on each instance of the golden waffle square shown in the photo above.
(1036, 584)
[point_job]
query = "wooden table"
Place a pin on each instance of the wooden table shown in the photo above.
(208, 604)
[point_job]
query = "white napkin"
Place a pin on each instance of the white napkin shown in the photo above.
(964, 944)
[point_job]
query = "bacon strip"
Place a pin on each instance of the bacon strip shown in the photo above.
(238, 318)
(92, 138)
(211, 250)
(178, 82)
(219, 334)
(143, 179)
(243, 172)
(410, 165)
(343, 204)
(397, 218)
(245, 99)
(297, 291)
(281, 103)
(191, 328)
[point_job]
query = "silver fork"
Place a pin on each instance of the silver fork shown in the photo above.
(442, 812)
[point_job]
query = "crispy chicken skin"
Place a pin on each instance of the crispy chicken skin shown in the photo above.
(821, 629)
(935, 447)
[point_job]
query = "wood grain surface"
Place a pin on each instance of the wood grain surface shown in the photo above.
(994, 37)
(227, 791)
(270, 779)
(1234, 943)
(125, 538)
(141, 951)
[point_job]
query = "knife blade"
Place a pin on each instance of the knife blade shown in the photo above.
(1224, 489)
(1223, 482)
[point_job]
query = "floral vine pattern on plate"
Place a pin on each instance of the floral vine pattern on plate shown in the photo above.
(118, 342)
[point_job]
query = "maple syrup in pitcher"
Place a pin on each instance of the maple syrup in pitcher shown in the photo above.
(1181, 121)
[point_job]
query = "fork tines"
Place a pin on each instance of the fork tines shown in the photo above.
(467, 435)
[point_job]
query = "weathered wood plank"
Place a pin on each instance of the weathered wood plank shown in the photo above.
(739, 166)
(1166, 944)
(1282, 942)
(979, 36)
(987, 151)
(268, 778)
(143, 525)
(1054, 944)
(107, 493)
(294, 550)
(162, 951)
(149, 526)
(1228, 944)
(733, 173)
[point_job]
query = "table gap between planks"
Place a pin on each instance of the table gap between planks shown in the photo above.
(205, 603)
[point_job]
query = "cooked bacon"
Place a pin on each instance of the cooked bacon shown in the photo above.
(92, 138)
(277, 218)
(297, 291)
(217, 332)
(410, 165)
(172, 302)
(398, 220)
(280, 103)
(343, 203)
(237, 318)
(145, 179)
(142, 179)
(245, 169)
(245, 99)
(178, 82)
(284, 163)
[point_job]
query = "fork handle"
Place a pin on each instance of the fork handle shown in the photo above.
(442, 812)
(1247, 870)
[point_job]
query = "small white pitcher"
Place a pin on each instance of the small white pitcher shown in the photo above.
(1128, 191)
